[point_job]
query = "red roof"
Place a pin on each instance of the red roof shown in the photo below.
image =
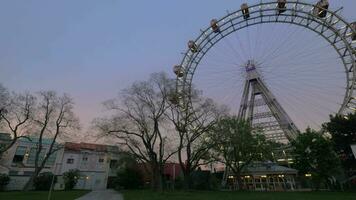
(85, 146)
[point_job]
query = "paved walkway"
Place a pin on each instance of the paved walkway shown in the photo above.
(102, 195)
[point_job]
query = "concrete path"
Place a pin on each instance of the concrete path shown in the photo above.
(102, 195)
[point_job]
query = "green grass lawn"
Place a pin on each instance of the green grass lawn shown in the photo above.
(41, 195)
(148, 195)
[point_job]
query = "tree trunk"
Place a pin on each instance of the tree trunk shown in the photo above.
(157, 179)
(239, 182)
(187, 178)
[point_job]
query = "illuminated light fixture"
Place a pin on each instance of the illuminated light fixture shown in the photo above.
(308, 175)
(231, 177)
(263, 176)
(247, 176)
(87, 177)
(281, 160)
(281, 176)
(351, 108)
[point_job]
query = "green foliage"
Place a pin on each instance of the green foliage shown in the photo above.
(314, 155)
(343, 132)
(70, 178)
(236, 143)
(204, 180)
(129, 178)
(44, 180)
(4, 180)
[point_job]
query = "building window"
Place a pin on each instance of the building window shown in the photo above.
(19, 155)
(113, 164)
(85, 158)
(28, 173)
(101, 160)
(70, 160)
(32, 155)
(13, 173)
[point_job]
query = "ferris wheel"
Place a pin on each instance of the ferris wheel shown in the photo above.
(283, 65)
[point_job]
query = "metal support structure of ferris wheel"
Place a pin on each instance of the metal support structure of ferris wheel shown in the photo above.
(317, 18)
(256, 93)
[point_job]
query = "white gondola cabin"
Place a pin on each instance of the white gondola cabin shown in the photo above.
(192, 46)
(245, 11)
(320, 9)
(178, 70)
(282, 6)
(215, 26)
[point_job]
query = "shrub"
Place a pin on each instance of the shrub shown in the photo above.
(44, 180)
(70, 179)
(4, 180)
(129, 178)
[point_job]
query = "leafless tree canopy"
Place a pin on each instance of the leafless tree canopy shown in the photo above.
(16, 115)
(53, 119)
(138, 121)
(194, 119)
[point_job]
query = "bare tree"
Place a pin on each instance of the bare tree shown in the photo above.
(193, 119)
(138, 123)
(54, 118)
(4, 97)
(15, 115)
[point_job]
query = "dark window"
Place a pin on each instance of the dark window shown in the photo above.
(18, 159)
(13, 172)
(113, 164)
(28, 173)
(19, 154)
(85, 158)
(70, 160)
(101, 160)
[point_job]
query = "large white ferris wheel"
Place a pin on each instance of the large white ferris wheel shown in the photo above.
(284, 65)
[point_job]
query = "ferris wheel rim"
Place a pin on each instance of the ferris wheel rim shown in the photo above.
(191, 60)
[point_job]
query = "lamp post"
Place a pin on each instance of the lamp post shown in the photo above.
(52, 182)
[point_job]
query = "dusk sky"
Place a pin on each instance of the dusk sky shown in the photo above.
(92, 49)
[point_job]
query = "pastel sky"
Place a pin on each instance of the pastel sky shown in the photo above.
(92, 49)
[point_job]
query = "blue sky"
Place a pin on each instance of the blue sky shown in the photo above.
(92, 49)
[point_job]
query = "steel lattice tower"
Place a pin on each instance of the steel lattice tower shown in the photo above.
(262, 109)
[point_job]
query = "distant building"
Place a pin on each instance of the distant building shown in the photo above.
(353, 147)
(19, 161)
(96, 163)
(5, 139)
(171, 172)
(262, 176)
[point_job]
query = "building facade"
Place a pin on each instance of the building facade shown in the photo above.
(96, 163)
(19, 161)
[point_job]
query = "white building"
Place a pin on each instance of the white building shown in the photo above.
(96, 163)
(19, 161)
